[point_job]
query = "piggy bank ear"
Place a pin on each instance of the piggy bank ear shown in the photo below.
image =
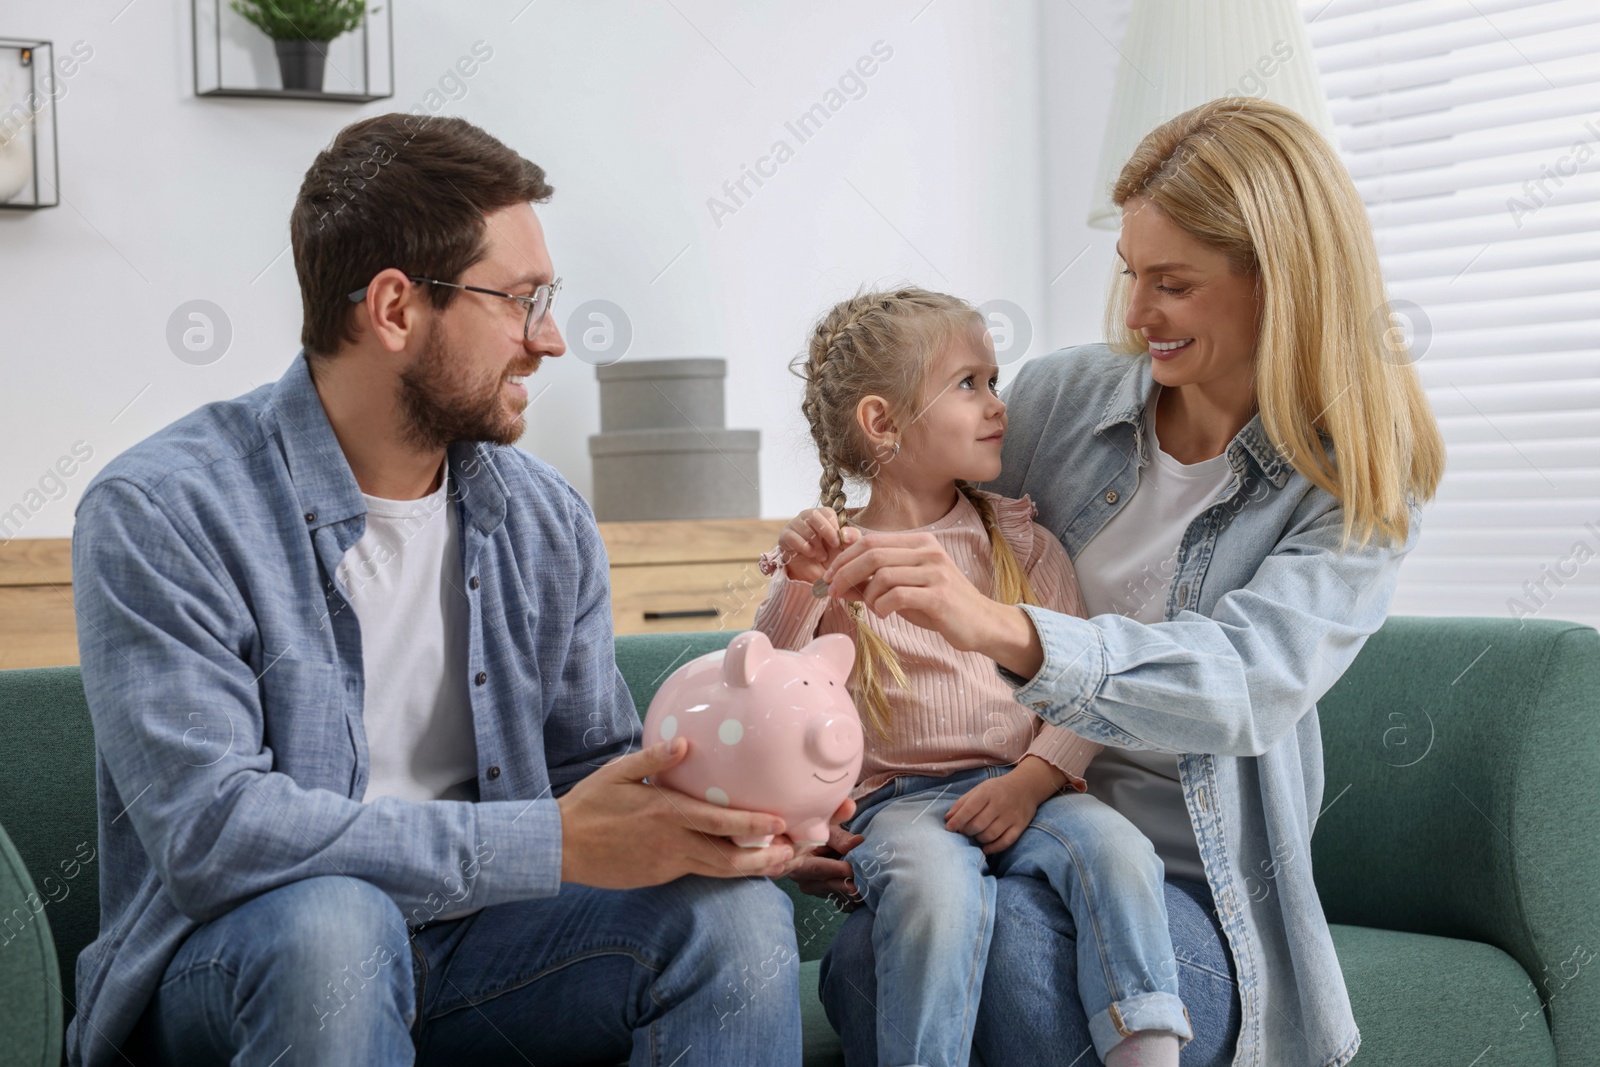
(837, 651)
(745, 656)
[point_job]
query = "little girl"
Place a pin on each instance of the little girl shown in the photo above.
(960, 784)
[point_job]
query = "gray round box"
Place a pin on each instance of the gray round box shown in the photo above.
(676, 474)
(657, 394)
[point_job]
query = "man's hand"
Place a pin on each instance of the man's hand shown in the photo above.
(995, 812)
(618, 832)
(822, 872)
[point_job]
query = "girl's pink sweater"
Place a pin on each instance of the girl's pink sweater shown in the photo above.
(958, 712)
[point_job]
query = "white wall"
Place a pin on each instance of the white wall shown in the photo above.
(940, 174)
(1080, 41)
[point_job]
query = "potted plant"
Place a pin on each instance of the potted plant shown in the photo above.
(300, 31)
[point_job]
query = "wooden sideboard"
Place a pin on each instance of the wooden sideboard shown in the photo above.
(692, 575)
(665, 577)
(36, 622)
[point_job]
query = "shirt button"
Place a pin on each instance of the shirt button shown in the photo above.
(494, 771)
(1111, 496)
(1040, 705)
(481, 678)
(474, 581)
(1183, 595)
(311, 516)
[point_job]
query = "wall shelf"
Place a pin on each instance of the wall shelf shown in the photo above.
(232, 58)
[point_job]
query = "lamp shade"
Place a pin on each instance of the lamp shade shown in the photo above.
(1178, 54)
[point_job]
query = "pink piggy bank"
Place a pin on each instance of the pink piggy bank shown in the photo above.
(768, 730)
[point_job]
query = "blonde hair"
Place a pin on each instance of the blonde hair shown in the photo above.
(1256, 182)
(883, 344)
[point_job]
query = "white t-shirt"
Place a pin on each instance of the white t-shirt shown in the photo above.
(1126, 569)
(403, 578)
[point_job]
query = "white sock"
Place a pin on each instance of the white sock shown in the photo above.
(1145, 1048)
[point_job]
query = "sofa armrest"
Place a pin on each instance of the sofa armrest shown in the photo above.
(1462, 799)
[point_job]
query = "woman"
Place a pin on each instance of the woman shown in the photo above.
(1237, 478)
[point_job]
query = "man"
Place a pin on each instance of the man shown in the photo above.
(367, 781)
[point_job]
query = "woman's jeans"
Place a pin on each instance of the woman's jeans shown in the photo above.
(933, 895)
(325, 971)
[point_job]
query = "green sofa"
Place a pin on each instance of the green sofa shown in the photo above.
(1456, 854)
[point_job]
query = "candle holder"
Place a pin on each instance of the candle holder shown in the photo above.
(30, 169)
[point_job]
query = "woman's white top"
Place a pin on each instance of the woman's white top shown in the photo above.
(1126, 569)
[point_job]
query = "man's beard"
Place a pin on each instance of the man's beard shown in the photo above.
(442, 406)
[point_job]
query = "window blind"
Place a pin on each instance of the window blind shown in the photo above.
(1472, 129)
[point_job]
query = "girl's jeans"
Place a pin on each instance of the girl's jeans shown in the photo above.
(932, 895)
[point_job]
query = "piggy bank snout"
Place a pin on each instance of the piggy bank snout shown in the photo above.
(832, 741)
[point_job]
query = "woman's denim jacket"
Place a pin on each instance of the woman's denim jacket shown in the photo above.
(1263, 615)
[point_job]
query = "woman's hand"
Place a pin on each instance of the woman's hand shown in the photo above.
(995, 812)
(912, 576)
(810, 543)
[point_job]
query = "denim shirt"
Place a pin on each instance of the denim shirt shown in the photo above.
(1263, 616)
(222, 665)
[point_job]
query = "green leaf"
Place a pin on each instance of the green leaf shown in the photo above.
(303, 20)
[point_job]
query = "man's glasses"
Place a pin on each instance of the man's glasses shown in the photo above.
(538, 305)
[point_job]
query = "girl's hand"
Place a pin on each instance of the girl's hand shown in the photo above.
(811, 542)
(910, 575)
(993, 813)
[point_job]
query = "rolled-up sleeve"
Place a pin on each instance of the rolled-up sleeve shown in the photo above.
(1232, 683)
(163, 634)
(1066, 752)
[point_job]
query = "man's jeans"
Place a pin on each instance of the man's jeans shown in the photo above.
(324, 971)
(932, 893)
